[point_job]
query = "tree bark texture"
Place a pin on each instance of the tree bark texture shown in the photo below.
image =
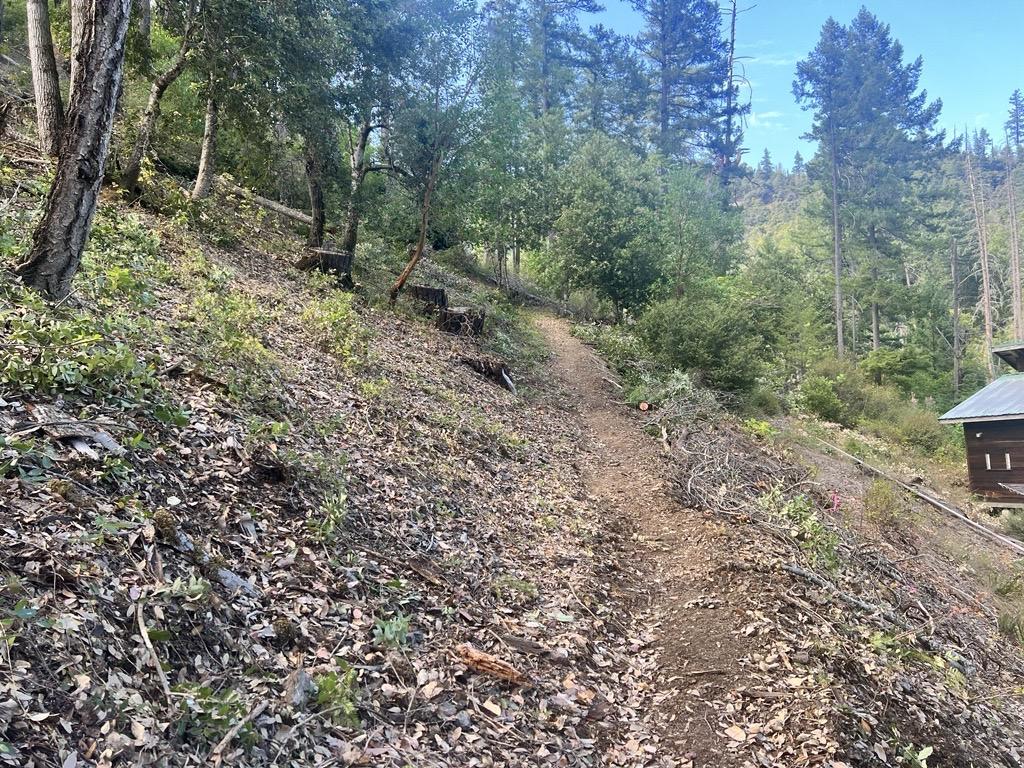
(60, 236)
(130, 176)
(45, 80)
(207, 158)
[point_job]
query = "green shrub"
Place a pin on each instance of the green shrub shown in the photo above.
(921, 428)
(1014, 524)
(762, 431)
(817, 395)
(335, 325)
(709, 334)
(337, 696)
(885, 504)
(62, 351)
(623, 349)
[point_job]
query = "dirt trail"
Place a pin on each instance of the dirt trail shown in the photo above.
(697, 622)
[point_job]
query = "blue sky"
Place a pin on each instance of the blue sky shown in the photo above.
(971, 59)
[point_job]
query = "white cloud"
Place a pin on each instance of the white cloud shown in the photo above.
(774, 59)
(767, 121)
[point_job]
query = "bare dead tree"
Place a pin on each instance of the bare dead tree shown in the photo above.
(958, 342)
(978, 205)
(1011, 194)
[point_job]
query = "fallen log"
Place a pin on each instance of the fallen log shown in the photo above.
(271, 205)
(180, 540)
(462, 321)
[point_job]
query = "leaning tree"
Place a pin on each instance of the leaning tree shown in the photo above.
(59, 238)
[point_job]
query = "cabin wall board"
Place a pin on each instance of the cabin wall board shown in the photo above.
(996, 440)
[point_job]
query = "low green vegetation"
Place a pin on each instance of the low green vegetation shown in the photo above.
(805, 525)
(843, 394)
(886, 505)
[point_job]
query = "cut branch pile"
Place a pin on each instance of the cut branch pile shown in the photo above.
(868, 649)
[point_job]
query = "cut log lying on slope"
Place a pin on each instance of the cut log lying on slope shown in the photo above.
(462, 321)
(271, 205)
(486, 664)
(495, 370)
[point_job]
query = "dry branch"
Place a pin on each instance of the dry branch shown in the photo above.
(486, 664)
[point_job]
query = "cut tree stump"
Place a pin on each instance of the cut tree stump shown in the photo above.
(493, 369)
(437, 297)
(328, 261)
(462, 321)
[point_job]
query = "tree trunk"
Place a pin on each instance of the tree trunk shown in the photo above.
(314, 184)
(396, 288)
(978, 204)
(45, 81)
(954, 268)
(730, 106)
(357, 164)
(59, 238)
(837, 254)
(207, 158)
(876, 324)
(876, 333)
(76, 44)
(1018, 318)
(144, 25)
(130, 176)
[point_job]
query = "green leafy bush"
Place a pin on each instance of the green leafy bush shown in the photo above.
(335, 325)
(885, 504)
(624, 350)
(710, 334)
(817, 395)
(62, 351)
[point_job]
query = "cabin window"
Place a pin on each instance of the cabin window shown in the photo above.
(1006, 462)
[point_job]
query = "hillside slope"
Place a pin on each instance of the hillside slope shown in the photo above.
(302, 508)
(251, 519)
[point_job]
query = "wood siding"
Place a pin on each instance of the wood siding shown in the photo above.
(995, 440)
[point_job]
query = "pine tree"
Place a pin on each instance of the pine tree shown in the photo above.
(555, 40)
(1015, 121)
(798, 163)
(682, 39)
(874, 129)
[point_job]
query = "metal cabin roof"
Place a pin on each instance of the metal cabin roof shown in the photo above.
(1001, 400)
(1011, 353)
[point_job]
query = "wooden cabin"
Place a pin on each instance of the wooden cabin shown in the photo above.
(993, 420)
